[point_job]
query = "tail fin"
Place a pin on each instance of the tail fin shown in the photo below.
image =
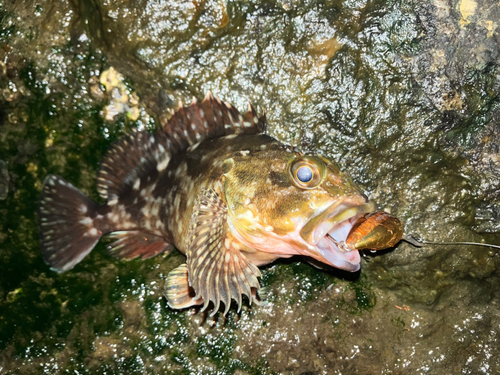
(67, 227)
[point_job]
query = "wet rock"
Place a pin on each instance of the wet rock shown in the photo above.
(4, 180)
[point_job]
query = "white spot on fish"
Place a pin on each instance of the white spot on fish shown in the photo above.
(247, 124)
(202, 114)
(230, 136)
(93, 232)
(87, 221)
(112, 202)
(154, 210)
(114, 217)
(163, 164)
(245, 152)
(177, 201)
(137, 184)
(269, 228)
(193, 147)
(127, 225)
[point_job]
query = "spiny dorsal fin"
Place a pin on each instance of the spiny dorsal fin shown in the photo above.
(217, 269)
(140, 153)
(128, 159)
(209, 119)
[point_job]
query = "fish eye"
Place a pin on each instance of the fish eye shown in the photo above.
(307, 172)
(304, 174)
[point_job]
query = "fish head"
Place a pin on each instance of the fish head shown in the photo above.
(288, 203)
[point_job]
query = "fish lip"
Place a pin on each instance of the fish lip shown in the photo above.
(330, 234)
(332, 250)
(331, 254)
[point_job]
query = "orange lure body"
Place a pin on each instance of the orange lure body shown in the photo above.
(376, 231)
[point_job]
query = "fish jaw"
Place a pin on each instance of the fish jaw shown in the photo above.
(328, 250)
(325, 234)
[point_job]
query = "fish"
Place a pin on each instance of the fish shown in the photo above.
(213, 185)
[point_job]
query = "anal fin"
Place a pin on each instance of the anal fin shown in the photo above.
(136, 243)
(178, 293)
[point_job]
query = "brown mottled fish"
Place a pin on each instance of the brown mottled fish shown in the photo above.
(223, 193)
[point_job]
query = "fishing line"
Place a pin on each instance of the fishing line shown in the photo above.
(419, 243)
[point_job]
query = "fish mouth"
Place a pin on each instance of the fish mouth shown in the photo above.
(328, 231)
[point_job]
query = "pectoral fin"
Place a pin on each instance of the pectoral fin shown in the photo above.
(217, 269)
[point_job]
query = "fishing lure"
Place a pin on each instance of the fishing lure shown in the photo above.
(380, 230)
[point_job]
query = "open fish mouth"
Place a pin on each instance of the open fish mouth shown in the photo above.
(330, 234)
(333, 250)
